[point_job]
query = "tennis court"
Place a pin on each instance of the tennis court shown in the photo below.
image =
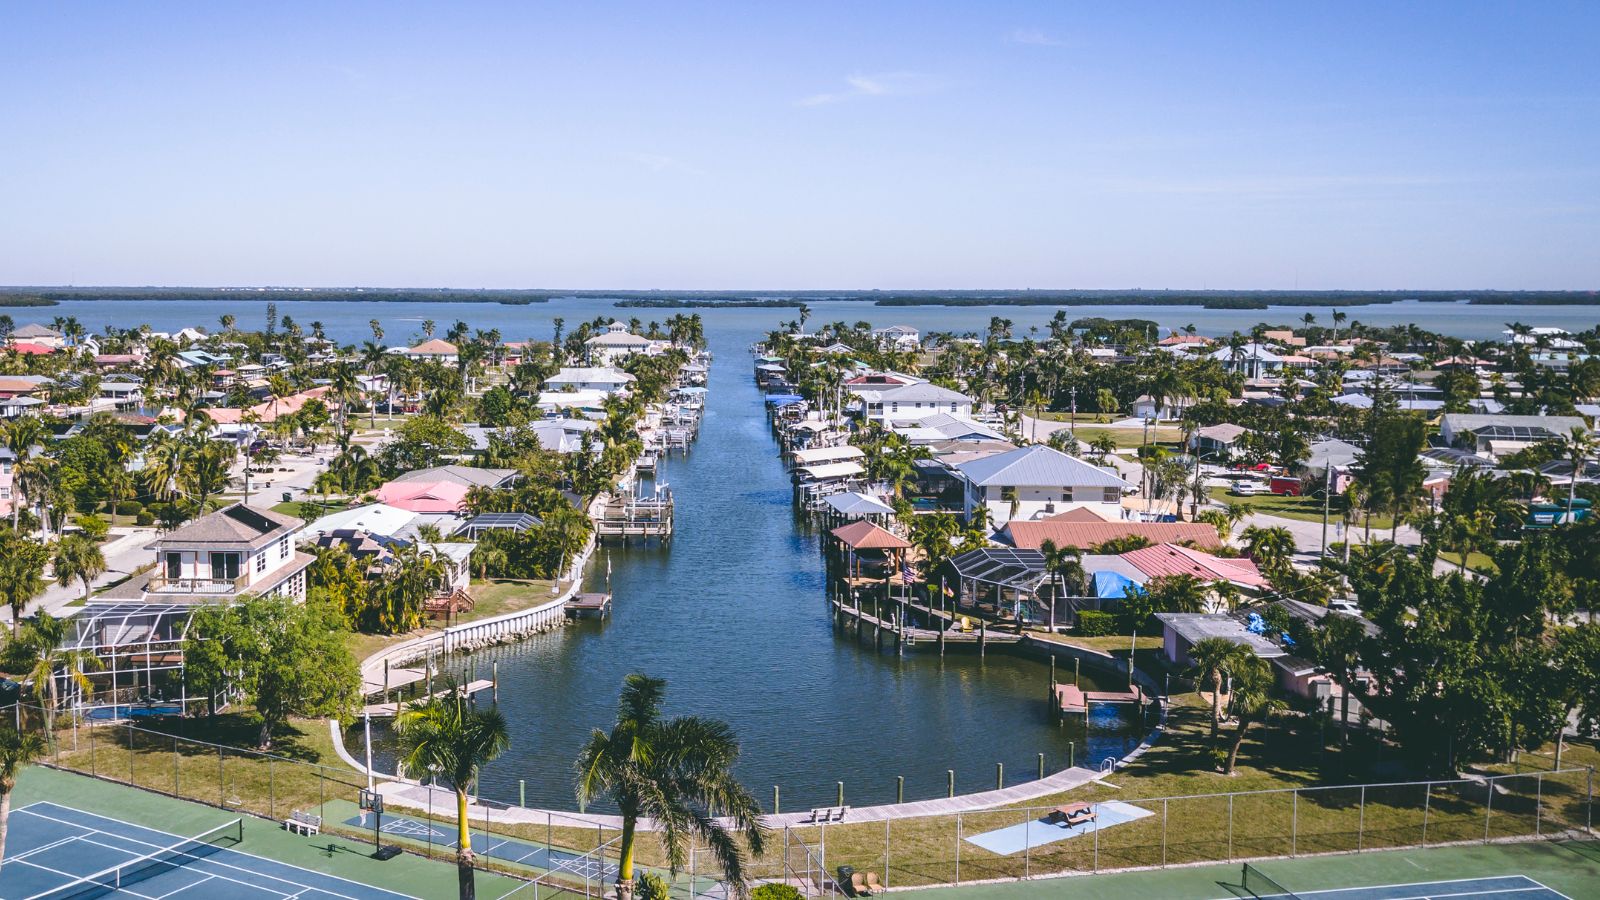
(537, 856)
(55, 852)
(1256, 883)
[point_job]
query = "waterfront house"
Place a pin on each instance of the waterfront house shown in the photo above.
(220, 556)
(911, 401)
(1164, 560)
(38, 335)
(1254, 360)
(942, 427)
(605, 379)
(1082, 529)
(614, 344)
(1037, 481)
(899, 337)
(375, 532)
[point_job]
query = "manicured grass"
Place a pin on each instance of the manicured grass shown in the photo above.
(493, 597)
(1477, 562)
(1126, 438)
(1082, 418)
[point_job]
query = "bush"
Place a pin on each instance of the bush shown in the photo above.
(129, 508)
(94, 527)
(650, 886)
(144, 518)
(775, 892)
(1092, 623)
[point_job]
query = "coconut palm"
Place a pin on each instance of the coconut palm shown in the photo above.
(78, 558)
(45, 638)
(677, 773)
(1252, 702)
(1064, 565)
(17, 750)
(203, 471)
(1270, 547)
(1577, 447)
(446, 738)
(1211, 659)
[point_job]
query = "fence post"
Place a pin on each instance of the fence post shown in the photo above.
(1027, 844)
(1488, 806)
(958, 848)
(93, 769)
(176, 768)
(1427, 802)
(1538, 805)
(1097, 843)
(1588, 789)
(1230, 828)
(1361, 821)
(1294, 822)
(885, 854)
(1163, 831)
(221, 792)
(132, 779)
(272, 792)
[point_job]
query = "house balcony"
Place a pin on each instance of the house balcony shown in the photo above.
(161, 584)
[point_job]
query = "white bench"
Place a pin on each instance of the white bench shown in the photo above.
(824, 814)
(303, 823)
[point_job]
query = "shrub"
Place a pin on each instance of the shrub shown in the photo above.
(94, 527)
(144, 518)
(775, 892)
(1092, 623)
(650, 886)
(129, 508)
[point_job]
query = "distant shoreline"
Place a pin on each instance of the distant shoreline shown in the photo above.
(1207, 299)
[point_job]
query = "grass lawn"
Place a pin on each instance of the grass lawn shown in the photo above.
(1477, 562)
(1126, 438)
(1082, 418)
(493, 597)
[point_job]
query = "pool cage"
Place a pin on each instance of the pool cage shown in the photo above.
(140, 646)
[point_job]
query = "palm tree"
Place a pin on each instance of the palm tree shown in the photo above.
(1252, 702)
(78, 558)
(1336, 645)
(676, 772)
(17, 750)
(1270, 547)
(1211, 659)
(449, 740)
(204, 471)
(1065, 567)
(21, 436)
(45, 640)
(1577, 447)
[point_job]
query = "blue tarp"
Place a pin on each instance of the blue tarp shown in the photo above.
(784, 399)
(1114, 585)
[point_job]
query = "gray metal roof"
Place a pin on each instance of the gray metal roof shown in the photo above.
(1195, 627)
(1561, 425)
(1036, 466)
(922, 391)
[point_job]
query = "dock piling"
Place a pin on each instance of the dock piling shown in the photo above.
(841, 793)
(776, 808)
(899, 789)
(950, 782)
(999, 775)
(495, 675)
(1041, 766)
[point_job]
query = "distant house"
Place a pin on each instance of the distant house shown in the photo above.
(615, 343)
(1036, 481)
(467, 476)
(590, 378)
(913, 401)
(220, 556)
(1085, 531)
(1495, 436)
(1218, 440)
(40, 335)
(1163, 560)
(942, 427)
(436, 350)
(900, 337)
(1168, 410)
(374, 532)
(1254, 360)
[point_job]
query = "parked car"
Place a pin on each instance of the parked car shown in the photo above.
(1344, 605)
(1250, 489)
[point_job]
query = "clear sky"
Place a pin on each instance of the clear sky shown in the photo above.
(802, 145)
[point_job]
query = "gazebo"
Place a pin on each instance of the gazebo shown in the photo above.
(864, 537)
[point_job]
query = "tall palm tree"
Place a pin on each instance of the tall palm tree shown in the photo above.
(676, 772)
(1211, 660)
(78, 558)
(1252, 702)
(1064, 565)
(21, 436)
(17, 750)
(1270, 547)
(1577, 447)
(45, 638)
(203, 471)
(448, 739)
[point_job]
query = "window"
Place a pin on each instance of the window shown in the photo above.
(1008, 493)
(224, 566)
(261, 562)
(283, 547)
(1113, 495)
(174, 566)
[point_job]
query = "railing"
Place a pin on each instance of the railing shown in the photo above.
(161, 583)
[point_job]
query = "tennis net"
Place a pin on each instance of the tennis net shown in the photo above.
(1259, 885)
(150, 865)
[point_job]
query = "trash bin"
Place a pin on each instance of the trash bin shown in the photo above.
(287, 496)
(846, 876)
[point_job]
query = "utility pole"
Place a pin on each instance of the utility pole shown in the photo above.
(1327, 493)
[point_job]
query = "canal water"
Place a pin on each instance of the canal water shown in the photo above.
(733, 613)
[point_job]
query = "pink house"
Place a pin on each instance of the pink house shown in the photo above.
(424, 496)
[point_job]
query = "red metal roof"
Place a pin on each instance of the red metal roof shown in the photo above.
(864, 535)
(1168, 559)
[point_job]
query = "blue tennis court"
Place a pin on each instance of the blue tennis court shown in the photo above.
(537, 856)
(1508, 887)
(54, 852)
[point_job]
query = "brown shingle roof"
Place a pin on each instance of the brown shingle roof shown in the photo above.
(237, 525)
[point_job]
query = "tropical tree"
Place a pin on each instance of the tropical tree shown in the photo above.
(1252, 701)
(677, 773)
(1211, 660)
(1577, 447)
(78, 558)
(44, 639)
(1064, 565)
(446, 738)
(1271, 547)
(1336, 646)
(17, 750)
(22, 562)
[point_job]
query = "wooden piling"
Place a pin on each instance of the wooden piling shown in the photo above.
(983, 636)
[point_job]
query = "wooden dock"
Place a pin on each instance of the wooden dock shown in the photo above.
(388, 710)
(590, 605)
(625, 517)
(1072, 699)
(918, 637)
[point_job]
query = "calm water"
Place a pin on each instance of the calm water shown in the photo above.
(733, 614)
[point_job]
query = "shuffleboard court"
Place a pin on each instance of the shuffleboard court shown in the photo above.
(55, 852)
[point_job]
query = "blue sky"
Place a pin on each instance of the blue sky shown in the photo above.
(814, 145)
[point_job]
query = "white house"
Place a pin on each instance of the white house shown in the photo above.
(1253, 360)
(436, 350)
(1036, 481)
(1500, 435)
(614, 343)
(900, 337)
(218, 557)
(605, 379)
(1170, 409)
(911, 401)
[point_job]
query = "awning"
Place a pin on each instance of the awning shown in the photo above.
(1114, 585)
(829, 471)
(784, 399)
(851, 503)
(816, 455)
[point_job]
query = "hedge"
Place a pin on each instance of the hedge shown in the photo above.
(1093, 623)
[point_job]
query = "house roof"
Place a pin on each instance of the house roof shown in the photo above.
(31, 349)
(864, 535)
(434, 347)
(424, 496)
(1556, 425)
(373, 518)
(35, 330)
(1036, 466)
(233, 526)
(1223, 433)
(466, 476)
(924, 391)
(590, 375)
(617, 339)
(1084, 535)
(1169, 559)
(1195, 627)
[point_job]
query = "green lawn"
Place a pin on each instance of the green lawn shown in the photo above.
(1477, 562)
(1126, 438)
(1306, 509)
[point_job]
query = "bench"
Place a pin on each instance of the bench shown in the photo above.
(824, 814)
(301, 822)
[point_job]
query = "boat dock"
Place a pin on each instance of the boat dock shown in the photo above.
(915, 636)
(389, 709)
(1072, 699)
(589, 605)
(636, 517)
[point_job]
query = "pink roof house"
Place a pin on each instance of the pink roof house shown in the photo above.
(424, 496)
